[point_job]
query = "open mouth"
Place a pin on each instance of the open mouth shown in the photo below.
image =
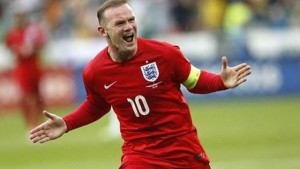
(128, 37)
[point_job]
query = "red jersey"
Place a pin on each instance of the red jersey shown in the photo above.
(25, 43)
(155, 120)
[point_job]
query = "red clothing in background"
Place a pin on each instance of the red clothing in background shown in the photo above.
(25, 43)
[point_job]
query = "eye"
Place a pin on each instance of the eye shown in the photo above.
(131, 19)
(119, 23)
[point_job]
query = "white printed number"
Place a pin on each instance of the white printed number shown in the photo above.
(139, 105)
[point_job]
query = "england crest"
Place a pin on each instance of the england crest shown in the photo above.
(150, 72)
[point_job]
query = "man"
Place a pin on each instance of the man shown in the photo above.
(25, 40)
(141, 80)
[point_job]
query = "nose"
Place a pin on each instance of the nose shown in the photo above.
(128, 26)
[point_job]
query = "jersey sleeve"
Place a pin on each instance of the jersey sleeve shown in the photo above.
(180, 64)
(195, 80)
(93, 108)
(208, 83)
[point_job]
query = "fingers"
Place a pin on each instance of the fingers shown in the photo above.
(42, 133)
(37, 129)
(224, 62)
(36, 134)
(40, 136)
(242, 74)
(243, 80)
(234, 76)
(45, 139)
(39, 133)
(49, 115)
(42, 126)
(240, 66)
(244, 71)
(41, 139)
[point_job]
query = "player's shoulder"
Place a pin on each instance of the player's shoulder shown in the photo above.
(94, 64)
(158, 44)
(164, 49)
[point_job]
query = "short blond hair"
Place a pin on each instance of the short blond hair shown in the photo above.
(108, 4)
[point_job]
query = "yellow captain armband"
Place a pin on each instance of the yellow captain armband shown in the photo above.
(192, 80)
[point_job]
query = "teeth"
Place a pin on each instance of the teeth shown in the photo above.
(128, 37)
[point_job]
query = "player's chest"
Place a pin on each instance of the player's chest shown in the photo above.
(144, 78)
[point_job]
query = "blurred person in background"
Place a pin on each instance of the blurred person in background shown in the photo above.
(140, 80)
(57, 19)
(295, 14)
(184, 15)
(149, 25)
(237, 16)
(4, 19)
(211, 14)
(25, 40)
(2, 23)
(279, 13)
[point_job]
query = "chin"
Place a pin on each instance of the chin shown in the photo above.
(131, 47)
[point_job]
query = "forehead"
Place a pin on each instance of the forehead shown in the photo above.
(118, 13)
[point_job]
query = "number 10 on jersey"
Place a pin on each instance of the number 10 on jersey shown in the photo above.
(139, 105)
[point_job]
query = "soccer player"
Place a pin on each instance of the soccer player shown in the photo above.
(25, 40)
(140, 79)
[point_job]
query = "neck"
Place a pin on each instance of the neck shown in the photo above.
(120, 56)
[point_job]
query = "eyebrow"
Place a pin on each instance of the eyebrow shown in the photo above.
(119, 21)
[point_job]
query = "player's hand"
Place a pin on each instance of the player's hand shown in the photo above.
(234, 76)
(53, 128)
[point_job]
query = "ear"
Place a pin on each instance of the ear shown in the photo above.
(102, 31)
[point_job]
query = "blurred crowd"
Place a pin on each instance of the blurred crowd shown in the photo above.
(77, 18)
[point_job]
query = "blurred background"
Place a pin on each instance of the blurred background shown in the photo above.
(253, 126)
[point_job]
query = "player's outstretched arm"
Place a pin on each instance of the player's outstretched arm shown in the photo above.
(52, 129)
(234, 76)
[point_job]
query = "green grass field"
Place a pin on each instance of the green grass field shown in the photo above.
(237, 134)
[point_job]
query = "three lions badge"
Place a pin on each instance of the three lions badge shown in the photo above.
(150, 72)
